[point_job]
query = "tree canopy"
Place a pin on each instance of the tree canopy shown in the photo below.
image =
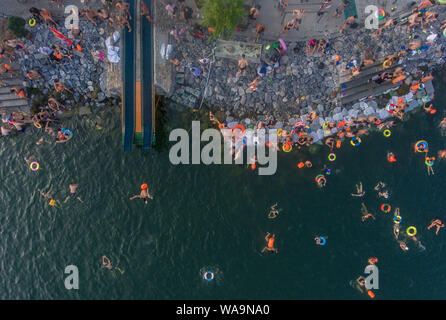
(222, 15)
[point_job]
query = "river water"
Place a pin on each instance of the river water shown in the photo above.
(215, 218)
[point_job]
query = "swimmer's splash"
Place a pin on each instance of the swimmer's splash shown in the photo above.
(235, 141)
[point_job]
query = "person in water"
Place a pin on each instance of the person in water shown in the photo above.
(437, 223)
(273, 213)
(144, 194)
(365, 213)
(382, 192)
(106, 263)
(73, 188)
(359, 191)
(270, 243)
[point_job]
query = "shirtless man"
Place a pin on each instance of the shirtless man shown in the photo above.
(348, 22)
(76, 33)
(330, 142)
(90, 14)
(298, 15)
(33, 75)
(415, 45)
(260, 29)
(47, 16)
(144, 194)
(242, 64)
(145, 12)
(54, 105)
(414, 19)
(359, 191)
(59, 86)
(6, 69)
(124, 8)
(339, 10)
(423, 4)
(437, 223)
(123, 22)
(388, 23)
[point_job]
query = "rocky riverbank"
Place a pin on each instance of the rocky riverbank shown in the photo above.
(84, 73)
(303, 84)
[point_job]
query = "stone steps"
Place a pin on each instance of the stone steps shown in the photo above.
(363, 78)
(365, 92)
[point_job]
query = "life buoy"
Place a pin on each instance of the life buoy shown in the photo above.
(387, 64)
(386, 208)
(380, 14)
(356, 141)
(34, 166)
(323, 241)
(208, 276)
(411, 231)
(287, 147)
(420, 143)
(240, 127)
(32, 22)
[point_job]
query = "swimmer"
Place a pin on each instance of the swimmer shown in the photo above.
(46, 195)
(359, 191)
(319, 240)
(365, 213)
(144, 194)
(73, 188)
(308, 164)
(106, 263)
(442, 154)
(330, 142)
(437, 223)
(430, 165)
(321, 182)
(270, 243)
(403, 246)
(40, 141)
(381, 191)
(360, 282)
(430, 109)
(273, 213)
(396, 230)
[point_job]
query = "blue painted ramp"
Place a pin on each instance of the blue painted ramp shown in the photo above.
(148, 92)
(128, 101)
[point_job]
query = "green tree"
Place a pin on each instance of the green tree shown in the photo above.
(17, 26)
(222, 15)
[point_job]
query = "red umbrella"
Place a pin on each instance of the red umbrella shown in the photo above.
(61, 36)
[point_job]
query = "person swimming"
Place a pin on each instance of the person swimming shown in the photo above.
(106, 263)
(365, 213)
(273, 213)
(359, 191)
(437, 223)
(270, 243)
(382, 192)
(144, 194)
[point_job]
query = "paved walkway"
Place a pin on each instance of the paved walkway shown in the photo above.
(20, 8)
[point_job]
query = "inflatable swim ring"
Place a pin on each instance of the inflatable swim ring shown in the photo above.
(356, 141)
(380, 14)
(240, 127)
(32, 22)
(411, 231)
(324, 241)
(397, 219)
(208, 276)
(287, 147)
(421, 143)
(332, 157)
(37, 125)
(386, 208)
(279, 132)
(67, 133)
(387, 133)
(34, 166)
